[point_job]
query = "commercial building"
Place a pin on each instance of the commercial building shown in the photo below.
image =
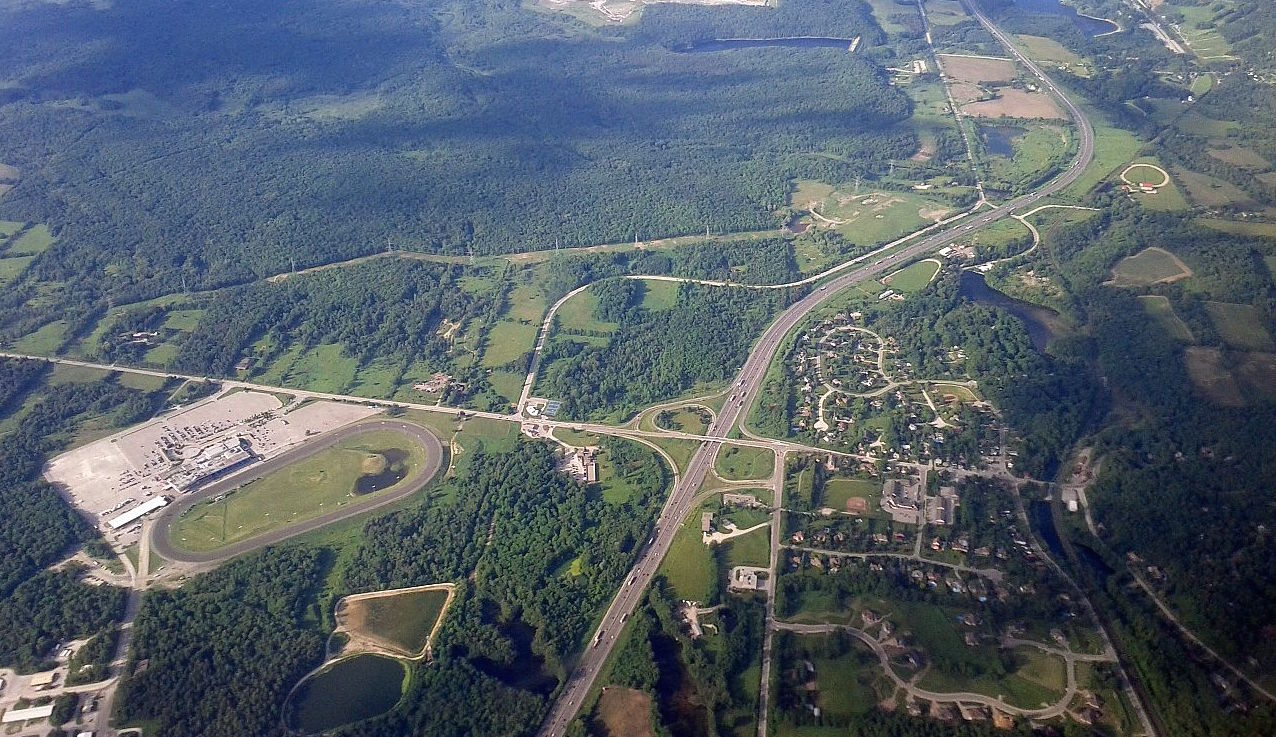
(25, 715)
(137, 512)
(209, 462)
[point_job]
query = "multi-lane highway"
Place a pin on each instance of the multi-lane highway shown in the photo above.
(749, 384)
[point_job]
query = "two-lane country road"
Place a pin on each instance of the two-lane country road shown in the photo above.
(749, 384)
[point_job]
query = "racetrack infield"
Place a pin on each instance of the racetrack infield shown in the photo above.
(161, 531)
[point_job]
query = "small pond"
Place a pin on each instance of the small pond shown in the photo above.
(349, 691)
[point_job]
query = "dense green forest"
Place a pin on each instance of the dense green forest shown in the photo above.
(51, 608)
(218, 656)
(656, 354)
(516, 625)
(207, 145)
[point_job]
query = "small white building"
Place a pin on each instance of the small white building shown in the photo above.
(25, 715)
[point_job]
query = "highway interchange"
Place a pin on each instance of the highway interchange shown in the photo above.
(743, 393)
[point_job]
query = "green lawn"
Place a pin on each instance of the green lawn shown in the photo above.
(660, 295)
(577, 313)
(324, 368)
(507, 342)
(1241, 326)
(404, 620)
(507, 384)
(44, 342)
(738, 463)
(1113, 147)
(378, 379)
(679, 450)
(913, 278)
(689, 566)
(305, 489)
(1148, 266)
(753, 549)
(9, 227)
(688, 420)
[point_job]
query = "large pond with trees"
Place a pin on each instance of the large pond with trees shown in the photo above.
(349, 691)
(1088, 24)
(1036, 319)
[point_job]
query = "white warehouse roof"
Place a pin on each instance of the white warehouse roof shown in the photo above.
(24, 715)
(136, 512)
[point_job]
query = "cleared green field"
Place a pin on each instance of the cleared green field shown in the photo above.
(11, 268)
(1262, 230)
(9, 227)
(507, 342)
(689, 566)
(660, 295)
(866, 218)
(1113, 147)
(679, 450)
(32, 243)
(962, 393)
(838, 491)
(378, 379)
(1270, 263)
(403, 620)
(883, 11)
(507, 384)
(753, 549)
(1024, 688)
(44, 342)
(945, 12)
(914, 277)
(688, 420)
(1209, 191)
(1050, 51)
(1240, 326)
(577, 313)
(324, 368)
(1149, 266)
(1034, 151)
(737, 463)
(328, 480)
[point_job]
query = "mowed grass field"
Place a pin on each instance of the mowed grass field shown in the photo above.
(402, 620)
(1240, 326)
(1050, 51)
(690, 567)
(1150, 266)
(736, 463)
(35, 241)
(866, 218)
(305, 489)
(914, 277)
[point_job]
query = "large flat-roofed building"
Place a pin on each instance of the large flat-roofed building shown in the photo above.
(209, 462)
(25, 715)
(136, 513)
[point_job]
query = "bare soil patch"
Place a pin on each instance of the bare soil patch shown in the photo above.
(968, 69)
(1015, 103)
(625, 712)
(965, 92)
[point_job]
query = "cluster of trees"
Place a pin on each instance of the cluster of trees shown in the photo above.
(378, 309)
(657, 655)
(17, 378)
(219, 655)
(49, 608)
(235, 139)
(521, 611)
(656, 355)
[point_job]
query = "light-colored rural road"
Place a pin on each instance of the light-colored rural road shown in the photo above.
(161, 530)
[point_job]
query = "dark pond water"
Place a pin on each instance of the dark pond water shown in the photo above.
(1087, 25)
(726, 44)
(1000, 139)
(350, 691)
(1042, 517)
(396, 469)
(526, 670)
(1035, 318)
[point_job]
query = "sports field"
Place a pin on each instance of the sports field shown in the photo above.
(839, 493)
(367, 463)
(913, 278)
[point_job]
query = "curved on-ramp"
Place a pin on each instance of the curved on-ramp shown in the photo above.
(162, 544)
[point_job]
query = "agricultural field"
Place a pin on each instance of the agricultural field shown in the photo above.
(12, 267)
(1149, 266)
(1239, 156)
(33, 242)
(1160, 309)
(914, 277)
(1208, 191)
(945, 12)
(1241, 326)
(364, 464)
(978, 69)
(1048, 51)
(739, 463)
(1261, 230)
(1200, 30)
(400, 621)
(1011, 102)
(1209, 374)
